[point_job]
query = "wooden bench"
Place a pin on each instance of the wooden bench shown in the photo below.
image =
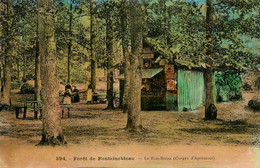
(63, 107)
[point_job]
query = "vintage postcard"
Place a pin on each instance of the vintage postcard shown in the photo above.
(129, 84)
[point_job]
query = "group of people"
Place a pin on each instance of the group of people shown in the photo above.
(70, 95)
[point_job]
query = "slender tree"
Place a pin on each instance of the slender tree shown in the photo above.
(125, 41)
(70, 43)
(134, 96)
(109, 52)
(37, 84)
(25, 68)
(52, 131)
(210, 108)
(93, 36)
(71, 33)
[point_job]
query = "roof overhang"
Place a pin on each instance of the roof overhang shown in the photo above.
(146, 73)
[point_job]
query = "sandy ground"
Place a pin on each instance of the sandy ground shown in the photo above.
(96, 138)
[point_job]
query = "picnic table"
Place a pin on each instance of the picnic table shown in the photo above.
(36, 105)
(28, 104)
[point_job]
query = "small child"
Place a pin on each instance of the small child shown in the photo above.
(89, 94)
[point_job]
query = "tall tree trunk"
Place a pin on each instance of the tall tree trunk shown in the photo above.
(134, 95)
(7, 78)
(110, 89)
(70, 44)
(125, 54)
(1, 74)
(37, 83)
(18, 71)
(126, 81)
(109, 52)
(93, 36)
(210, 107)
(24, 68)
(51, 116)
(2, 46)
(8, 51)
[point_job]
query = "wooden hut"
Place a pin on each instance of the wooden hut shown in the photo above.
(167, 85)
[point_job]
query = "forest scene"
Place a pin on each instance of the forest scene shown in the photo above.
(130, 83)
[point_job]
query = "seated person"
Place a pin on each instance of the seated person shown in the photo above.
(67, 97)
(75, 94)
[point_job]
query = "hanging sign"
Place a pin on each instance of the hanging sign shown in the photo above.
(169, 68)
(171, 84)
(169, 75)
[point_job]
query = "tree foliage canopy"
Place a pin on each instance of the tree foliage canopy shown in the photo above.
(176, 28)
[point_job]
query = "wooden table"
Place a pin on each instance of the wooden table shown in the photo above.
(33, 104)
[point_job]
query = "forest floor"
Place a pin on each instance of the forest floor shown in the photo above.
(170, 138)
